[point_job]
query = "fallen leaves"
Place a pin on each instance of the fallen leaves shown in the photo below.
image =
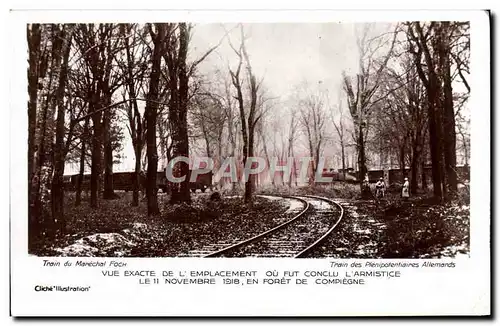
(116, 229)
(399, 229)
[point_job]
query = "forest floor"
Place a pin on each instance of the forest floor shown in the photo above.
(118, 229)
(387, 228)
(396, 228)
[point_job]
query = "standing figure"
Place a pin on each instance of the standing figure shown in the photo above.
(380, 188)
(406, 189)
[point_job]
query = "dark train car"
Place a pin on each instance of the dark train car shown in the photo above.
(73, 181)
(338, 176)
(397, 176)
(125, 181)
(67, 182)
(394, 175)
(161, 181)
(202, 182)
(375, 175)
(121, 181)
(328, 174)
(349, 177)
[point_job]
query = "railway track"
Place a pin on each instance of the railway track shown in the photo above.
(293, 238)
(297, 207)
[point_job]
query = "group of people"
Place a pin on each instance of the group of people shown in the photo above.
(380, 187)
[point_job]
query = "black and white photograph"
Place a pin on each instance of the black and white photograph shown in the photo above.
(305, 140)
(249, 162)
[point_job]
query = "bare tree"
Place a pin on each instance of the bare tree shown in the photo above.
(134, 69)
(362, 96)
(83, 152)
(43, 164)
(209, 117)
(313, 121)
(340, 128)
(151, 113)
(97, 53)
(431, 45)
(34, 36)
(57, 193)
(248, 124)
(292, 136)
(179, 75)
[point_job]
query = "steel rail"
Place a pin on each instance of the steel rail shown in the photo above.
(323, 237)
(247, 241)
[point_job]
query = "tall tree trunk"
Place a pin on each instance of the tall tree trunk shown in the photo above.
(178, 118)
(249, 184)
(230, 126)
(316, 158)
(415, 159)
(343, 158)
(434, 143)
(361, 157)
(151, 113)
(107, 93)
(244, 132)
(79, 181)
(34, 40)
(44, 163)
(185, 195)
(402, 158)
(93, 45)
(95, 170)
(57, 193)
(449, 136)
(433, 109)
(414, 174)
(41, 153)
(135, 124)
(293, 163)
(109, 192)
(252, 122)
(424, 175)
(137, 173)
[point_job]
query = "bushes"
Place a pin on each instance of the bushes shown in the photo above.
(195, 212)
(337, 189)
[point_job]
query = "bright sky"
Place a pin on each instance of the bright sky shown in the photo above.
(284, 54)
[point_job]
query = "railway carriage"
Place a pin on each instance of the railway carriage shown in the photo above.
(125, 181)
(202, 182)
(338, 176)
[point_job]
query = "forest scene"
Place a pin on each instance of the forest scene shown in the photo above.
(249, 140)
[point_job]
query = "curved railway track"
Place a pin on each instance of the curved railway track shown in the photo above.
(297, 208)
(293, 238)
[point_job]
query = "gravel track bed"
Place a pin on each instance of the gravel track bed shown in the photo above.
(293, 238)
(292, 206)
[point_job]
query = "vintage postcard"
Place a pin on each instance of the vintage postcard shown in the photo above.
(250, 163)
